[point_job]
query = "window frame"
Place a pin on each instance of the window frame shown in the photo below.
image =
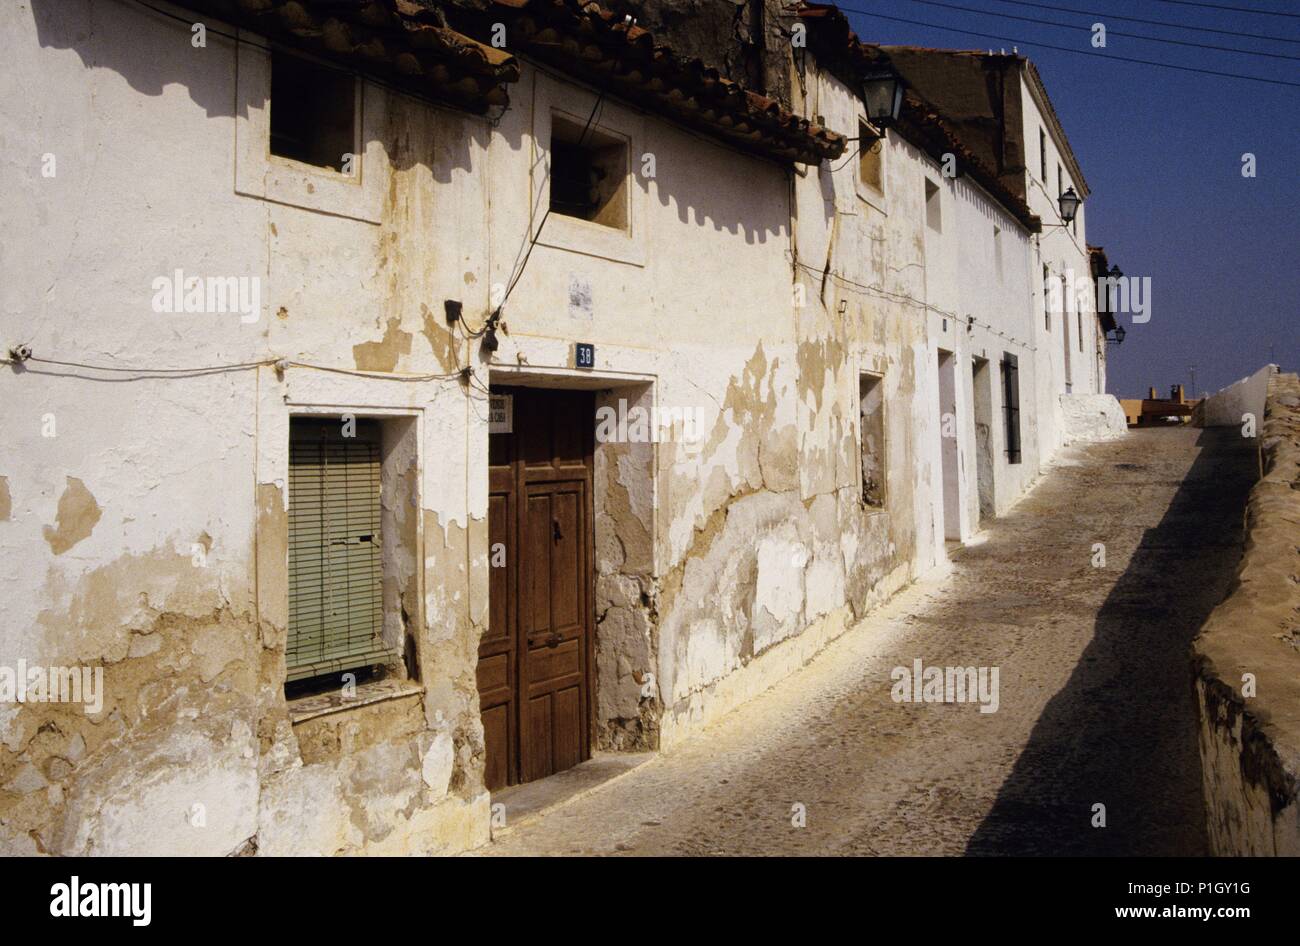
(264, 176)
(572, 234)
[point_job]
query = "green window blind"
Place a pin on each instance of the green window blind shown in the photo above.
(335, 566)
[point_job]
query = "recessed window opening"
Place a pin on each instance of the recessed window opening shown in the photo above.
(313, 112)
(871, 407)
(1042, 154)
(1011, 405)
(1047, 295)
(933, 216)
(351, 608)
(588, 173)
(870, 153)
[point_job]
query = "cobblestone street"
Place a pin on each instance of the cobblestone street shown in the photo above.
(1095, 693)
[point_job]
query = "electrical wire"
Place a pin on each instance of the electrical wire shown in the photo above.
(514, 280)
(160, 372)
(1220, 6)
(845, 162)
(144, 373)
(1136, 19)
(1077, 52)
(905, 298)
(1088, 29)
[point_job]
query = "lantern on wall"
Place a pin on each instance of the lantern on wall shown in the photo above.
(1069, 204)
(882, 92)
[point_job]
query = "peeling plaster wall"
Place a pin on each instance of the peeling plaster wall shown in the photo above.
(722, 563)
(144, 527)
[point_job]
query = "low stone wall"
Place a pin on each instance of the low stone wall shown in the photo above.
(1089, 418)
(1226, 407)
(1247, 659)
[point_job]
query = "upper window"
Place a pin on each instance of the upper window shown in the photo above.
(313, 113)
(932, 211)
(870, 151)
(589, 170)
(1042, 154)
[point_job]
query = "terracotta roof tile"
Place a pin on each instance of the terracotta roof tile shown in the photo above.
(593, 43)
(404, 42)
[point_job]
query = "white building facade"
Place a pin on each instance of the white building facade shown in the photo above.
(483, 408)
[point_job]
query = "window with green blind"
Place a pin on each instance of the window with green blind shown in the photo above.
(336, 609)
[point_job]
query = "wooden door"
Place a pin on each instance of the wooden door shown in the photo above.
(535, 660)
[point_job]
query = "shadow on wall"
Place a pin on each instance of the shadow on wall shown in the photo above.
(106, 34)
(1122, 732)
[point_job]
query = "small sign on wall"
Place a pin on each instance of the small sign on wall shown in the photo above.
(584, 355)
(501, 410)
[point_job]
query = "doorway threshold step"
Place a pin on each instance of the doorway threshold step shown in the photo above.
(530, 800)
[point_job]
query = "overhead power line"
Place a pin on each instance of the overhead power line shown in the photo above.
(1137, 19)
(1109, 32)
(1077, 52)
(1220, 6)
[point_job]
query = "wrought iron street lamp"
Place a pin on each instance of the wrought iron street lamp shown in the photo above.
(882, 92)
(1068, 203)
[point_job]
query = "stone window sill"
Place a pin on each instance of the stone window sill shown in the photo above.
(379, 691)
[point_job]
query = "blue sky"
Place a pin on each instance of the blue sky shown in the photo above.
(1162, 151)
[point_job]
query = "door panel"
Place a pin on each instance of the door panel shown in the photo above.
(553, 661)
(534, 660)
(536, 565)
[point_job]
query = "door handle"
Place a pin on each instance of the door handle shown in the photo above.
(554, 640)
(556, 532)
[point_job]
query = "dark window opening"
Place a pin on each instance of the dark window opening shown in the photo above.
(1042, 152)
(588, 174)
(871, 407)
(313, 112)
(1011, 405)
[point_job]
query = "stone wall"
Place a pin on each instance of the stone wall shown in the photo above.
(1247, 659)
